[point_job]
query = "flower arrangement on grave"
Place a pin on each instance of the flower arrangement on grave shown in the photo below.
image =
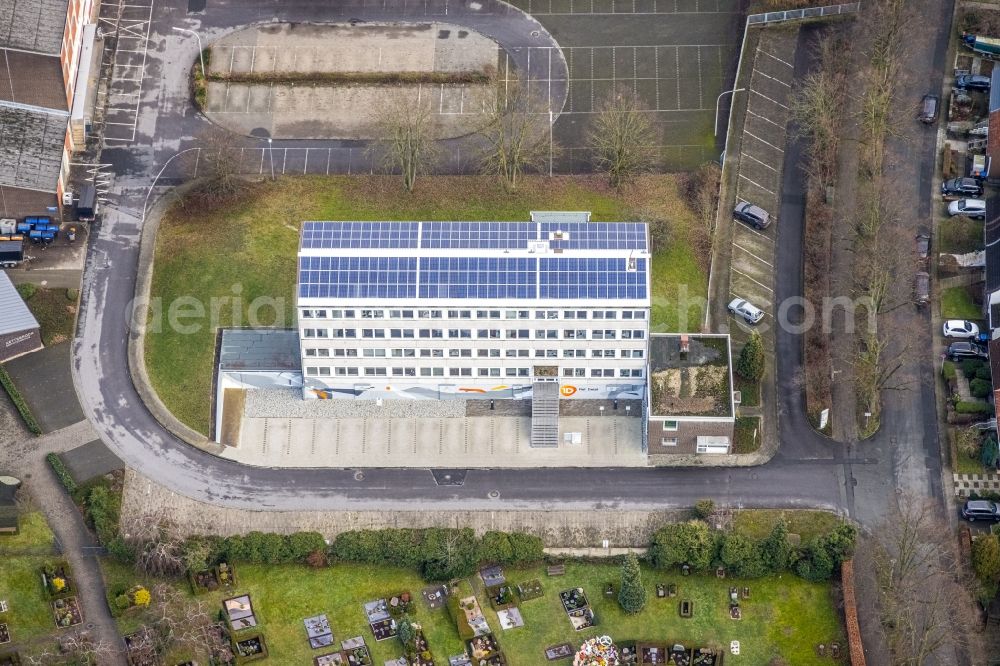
(598, 651)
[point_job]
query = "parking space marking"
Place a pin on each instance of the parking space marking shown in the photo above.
(757, 257)
(771, 55)
(754, 136)
(766, 119)
(701, 89)
(752, 182)
(755, 233)
(677, 61)
(774, 101)
(759, 162)
(762, 286)
(768, 76)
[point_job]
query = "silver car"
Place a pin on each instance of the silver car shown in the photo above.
(745, 309)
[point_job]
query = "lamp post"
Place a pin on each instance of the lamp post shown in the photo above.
(270, 152)
(715, 128)
(550, 142)
(201, 51)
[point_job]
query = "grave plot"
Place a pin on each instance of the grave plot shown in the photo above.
(318, 631)
(577, 607)
(379, 619)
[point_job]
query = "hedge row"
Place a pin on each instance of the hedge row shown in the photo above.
(695, 544)
(19, 402)
(440, 554)
(65, 478)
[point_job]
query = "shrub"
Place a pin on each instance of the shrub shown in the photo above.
(511, 548)
(948, 371)
(65, 478)
(632, 595)
(990, 452)
(103, 508)
(986, 558)
(839, 543)
(689, 543)
(141, 597)
(750, 364)
(981, 408)
(980, 388)
(984, 372)
(195, 552)
(815, 564)
(358, 546)
(302, 544)
(970, 366)
(704, 508)
(742, 556)
(775, 549)
(27, 290)
(496, 547)
(317, 559)
(449, 554)
(122, 603)
(22, 406)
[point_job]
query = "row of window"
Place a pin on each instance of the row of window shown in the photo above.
(468, 333)
(325, 313)
(324, 352)
(326, 371)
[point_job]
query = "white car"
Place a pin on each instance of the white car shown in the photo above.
(959, 328)
(974, 208)
(745, 309)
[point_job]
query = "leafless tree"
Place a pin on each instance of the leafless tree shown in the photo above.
(622, 137)
(818, 108)
(920, 587)
(405, 138)
(515, 132)
(75, 649)
(219, 163)
(156, 545)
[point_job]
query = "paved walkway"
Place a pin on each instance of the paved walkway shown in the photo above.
(966, 484)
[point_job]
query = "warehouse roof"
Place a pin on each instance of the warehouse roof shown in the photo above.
(14, 314)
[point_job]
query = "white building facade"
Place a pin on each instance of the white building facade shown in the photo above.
(430, 310)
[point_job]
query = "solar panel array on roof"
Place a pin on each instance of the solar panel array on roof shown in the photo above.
(480, 235)
(595, 235)
(341, 235)
(478, 277)
(592, 278)
(358, 277)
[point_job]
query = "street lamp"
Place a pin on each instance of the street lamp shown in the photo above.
(201, 51)
(270, 151)
(715, 128)
(550, 142)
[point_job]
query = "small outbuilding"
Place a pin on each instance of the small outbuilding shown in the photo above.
(19, 330)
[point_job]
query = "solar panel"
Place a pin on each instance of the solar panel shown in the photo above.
(478, 235)
(366, 235)
(592, 278)
(357, 277)
(478, 277)
(595, 235)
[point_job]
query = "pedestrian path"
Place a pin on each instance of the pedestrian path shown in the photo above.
(967, 484)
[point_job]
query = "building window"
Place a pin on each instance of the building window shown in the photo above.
(544, 334)
(575, 314)
(459, 314)
(487, 314)
(312, 371)
(401, 332)
(431, 333)
(668, 441)
(317, 333)
(318, 352)
(375, 372)
(429, 314)
(631, 353)
(546, 314)
(459, 333)
(460, 353)
(670, 426)
(372, 314)
(374, 353)
(373, 332)
(314, 314)
(580, 334)
(627, 372)
(518, 333)
(488, 333)
(607, 334)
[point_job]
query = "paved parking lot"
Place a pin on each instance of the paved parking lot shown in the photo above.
(760, 160)
(676, 54)
(129, 26)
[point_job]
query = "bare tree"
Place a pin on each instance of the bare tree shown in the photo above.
(219, 162)
(405, 137)
(622, 137)
(156, 545)
(919, 585)
(515, 132)
(75, 649)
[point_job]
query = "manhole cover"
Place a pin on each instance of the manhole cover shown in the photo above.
(536, 33)
(89, 625)
(449, 477)
(359, 476)
(494, 494)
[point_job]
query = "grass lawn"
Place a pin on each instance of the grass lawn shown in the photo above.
(746, 436)
(21, 558)
(55, 310)
(749, 391)
(758, 523)
(957, 303)
(959, 235)
(248, 250)
(784, 616)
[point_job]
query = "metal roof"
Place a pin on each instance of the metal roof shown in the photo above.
(995, 90)
(14, 314)
(992, 238)
(259, 349)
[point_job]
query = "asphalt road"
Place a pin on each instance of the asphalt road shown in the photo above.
(808, 471)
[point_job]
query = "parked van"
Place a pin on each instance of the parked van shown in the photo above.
(86, 207)
(929, 108)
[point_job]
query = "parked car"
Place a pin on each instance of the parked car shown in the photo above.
(974, 208)
(974, 510)
(961, 350)
(749, 312)
(755, 216)
(973, 82)
(929, 108)
(958, 187)
(959, 328)
(923, 242)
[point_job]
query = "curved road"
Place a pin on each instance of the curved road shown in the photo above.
(808, 471)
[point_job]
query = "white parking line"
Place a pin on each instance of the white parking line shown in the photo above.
(759, 162)
(758, 258)
(765, 119)
(768, 76)
(768, 98)
(762, 286)
(771, 55)
(754, 136)
(753, 182)
(755, 233)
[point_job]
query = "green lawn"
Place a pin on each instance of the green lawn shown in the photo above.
(960, 235)
(749, 391)
(784, 616)
(21, 558)
(757, 523)
(248, 250)
(747, 434)
(55, 310)
(957, 303)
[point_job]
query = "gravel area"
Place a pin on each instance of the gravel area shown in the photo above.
(288, 403)
(12, 431)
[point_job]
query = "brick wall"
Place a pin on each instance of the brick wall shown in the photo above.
(857, 650)
(78, 14)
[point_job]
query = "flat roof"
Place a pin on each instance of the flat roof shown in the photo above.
(260, 350)
(33, 25)
(31, 147)
(690, 375)
(33, 79)
(14, 313)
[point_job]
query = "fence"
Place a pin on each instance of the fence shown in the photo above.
(806, 13)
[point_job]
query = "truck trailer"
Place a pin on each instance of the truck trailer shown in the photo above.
(11, 253)
(988, 47)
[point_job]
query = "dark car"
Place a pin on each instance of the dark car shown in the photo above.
(960, 187)
(974, 510)
(755, 216)
(960, 350)
(929, 109)
(973, 82)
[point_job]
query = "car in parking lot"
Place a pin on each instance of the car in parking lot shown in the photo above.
(973, 82)
(974, 510)
(960, 187)
(749, 312)
(959, 328)
(755, 216)
(974, 208)
(960, 350)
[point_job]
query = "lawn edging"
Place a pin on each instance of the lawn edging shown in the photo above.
(137, 332)
(19, 402)
(63, 474)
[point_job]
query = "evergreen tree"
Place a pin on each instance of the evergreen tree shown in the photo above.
(750, 364)
(632, 595)
(775, 549)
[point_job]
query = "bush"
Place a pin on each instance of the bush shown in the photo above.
(984, 372)
(302, 544)
(839, 543)
(27, 290)
(22, 407)
(632, 595)
(775, 549)
(742, 556)
(948, 371)
(704, 508)
(122, 603)
(449, 554)
(358, 546)
(103, 509)
(141, 597)
(970, 367)
(990, 452)
(979, 408)
(690, 543)
(815, 564)
(65, 478)
(750, 364)
(513, 548)
(986, 558)
(317, 559)
(980, 388)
